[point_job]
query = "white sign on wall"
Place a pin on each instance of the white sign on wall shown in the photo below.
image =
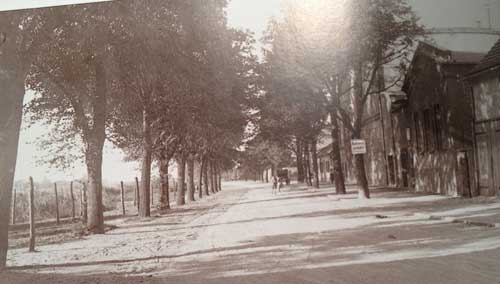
(358, 146)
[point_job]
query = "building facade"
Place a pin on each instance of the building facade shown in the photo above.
(485, 85)
(435, 143)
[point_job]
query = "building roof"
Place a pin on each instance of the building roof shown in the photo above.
(461, 57)
(441, 56)
(447, 56)
(492, 59)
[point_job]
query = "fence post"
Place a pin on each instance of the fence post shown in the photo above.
(14, 207)
(123, 197)
(32, 216)
(72, 201)
(57, 204)
(137, 192)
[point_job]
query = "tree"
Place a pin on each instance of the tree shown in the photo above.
(21, 34)
(144, 64)
(194, 85)
(261, 154)
(292, 109)
(71, 84)
(383, 31)
(331, 41)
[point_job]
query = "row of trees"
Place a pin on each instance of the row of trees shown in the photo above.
(161, 79)
(324, 62)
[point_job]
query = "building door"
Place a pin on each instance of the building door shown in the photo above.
(484, 166)
(488, 159)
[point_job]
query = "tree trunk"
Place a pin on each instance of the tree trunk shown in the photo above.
(216, 181)
(307, 157)
(300, 162)
(164, 186)
(190, 174)
(58, 221)
(95, 218)
(145, 190)
(304, 162)
(122, 195)
(32, 216)
(94, 143)
(72, 201)
(211, 173)
(336, 157)
(359, 104)
(220, 182)
(205, 176)
(83, 204)
(136, 196)
(181, 174)
(11, 104)
(200, 180)
(315, 162)
(359, 163)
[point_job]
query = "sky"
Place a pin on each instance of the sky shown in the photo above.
(254, 15)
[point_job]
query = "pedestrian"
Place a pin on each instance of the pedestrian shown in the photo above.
(275, 183)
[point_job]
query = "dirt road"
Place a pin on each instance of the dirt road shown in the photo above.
(247, 235)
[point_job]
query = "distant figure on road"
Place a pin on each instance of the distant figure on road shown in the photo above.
(275, 184)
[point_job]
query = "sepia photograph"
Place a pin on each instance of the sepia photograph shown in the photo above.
(250, 141)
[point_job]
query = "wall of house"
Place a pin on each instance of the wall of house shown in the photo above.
(436, 173)
(487, 97)
(401, 123)
(375, 163)
(486, 90)
(440, 111)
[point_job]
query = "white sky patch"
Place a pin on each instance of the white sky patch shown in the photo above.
(253, 15)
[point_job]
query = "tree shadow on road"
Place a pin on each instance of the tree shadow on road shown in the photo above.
(295, 255)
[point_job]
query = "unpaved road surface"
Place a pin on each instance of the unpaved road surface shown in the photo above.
(247, 235)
